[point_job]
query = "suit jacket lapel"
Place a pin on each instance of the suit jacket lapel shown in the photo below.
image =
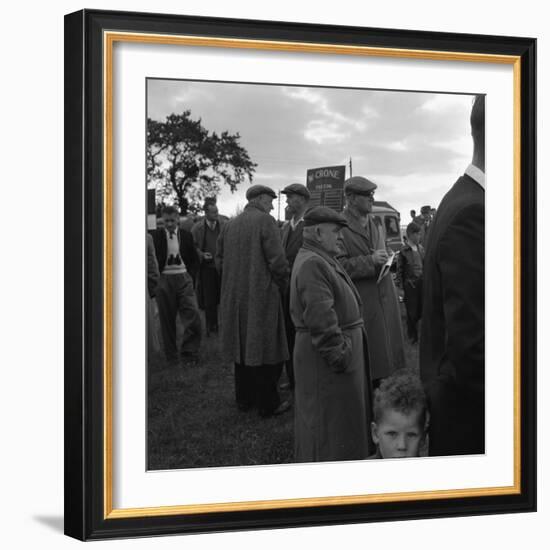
(285, 233)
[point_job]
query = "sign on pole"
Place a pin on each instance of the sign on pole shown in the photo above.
(326, 186)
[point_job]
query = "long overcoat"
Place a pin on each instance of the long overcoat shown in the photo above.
(208, 284)
(254, 273)
(381, 312)
(332, 386)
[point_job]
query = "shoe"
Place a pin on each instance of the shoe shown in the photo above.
(190, 359)
(282, 408)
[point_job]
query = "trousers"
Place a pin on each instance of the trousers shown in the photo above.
(175, 295)
(257, 387)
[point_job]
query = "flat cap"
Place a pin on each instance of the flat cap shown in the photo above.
(296, 189)
(425, 210)
(257, 190)
(323, 214)
(359, 186)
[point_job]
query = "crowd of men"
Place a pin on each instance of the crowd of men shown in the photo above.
(313, 298)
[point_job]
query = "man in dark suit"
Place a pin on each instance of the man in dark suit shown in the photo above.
(297, 198)
(205, 234)
(178, 263)
(452, 344)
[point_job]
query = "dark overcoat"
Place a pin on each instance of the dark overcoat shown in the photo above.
(292, 240)
(452, 342)
(254, 274)
(208, 283)
(381, 312)
(332, 386)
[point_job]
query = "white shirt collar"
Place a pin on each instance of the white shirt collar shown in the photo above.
(293, 223)
(476, 174)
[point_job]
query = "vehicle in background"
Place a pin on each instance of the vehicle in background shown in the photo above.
(389, 219)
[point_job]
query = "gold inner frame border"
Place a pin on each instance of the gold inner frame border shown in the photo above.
(109, 39)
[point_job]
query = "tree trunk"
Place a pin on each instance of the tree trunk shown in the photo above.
(183, 203)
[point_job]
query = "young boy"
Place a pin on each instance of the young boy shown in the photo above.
(400, 416)
(409, 275)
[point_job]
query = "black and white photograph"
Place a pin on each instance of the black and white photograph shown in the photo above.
(315, 267)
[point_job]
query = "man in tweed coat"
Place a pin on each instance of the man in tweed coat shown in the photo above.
(363, 255)
(254, 274)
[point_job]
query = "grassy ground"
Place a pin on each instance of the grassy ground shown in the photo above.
(193, 420)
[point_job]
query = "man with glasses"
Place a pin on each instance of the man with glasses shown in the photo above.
(363, 256)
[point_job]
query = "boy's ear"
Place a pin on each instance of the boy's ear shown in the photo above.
(374, 432)
(427, 422)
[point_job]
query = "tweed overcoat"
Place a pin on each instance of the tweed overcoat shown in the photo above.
(254, 273)
(332, 386)
(381, 312)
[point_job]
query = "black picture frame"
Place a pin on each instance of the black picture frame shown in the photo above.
(85, 490)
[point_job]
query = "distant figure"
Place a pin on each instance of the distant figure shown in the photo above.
(205, 234)
(409, 276)
(424, 221)
(400, 416)
(178, 262)
(153, 275)
(363, 255)
(297, 198)
(452, 342)
(332, 393)
(254, 273)
(413, 215)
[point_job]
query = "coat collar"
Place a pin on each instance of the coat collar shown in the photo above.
(356, 227)
(252, 206)
(314, 247)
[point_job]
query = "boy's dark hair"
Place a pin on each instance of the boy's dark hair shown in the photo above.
(402, 392)
(170, 210)
(413, 228)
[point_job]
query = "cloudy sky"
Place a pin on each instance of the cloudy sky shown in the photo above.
(413, 145)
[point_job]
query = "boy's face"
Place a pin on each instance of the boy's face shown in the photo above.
(414, 237)
(398, 435)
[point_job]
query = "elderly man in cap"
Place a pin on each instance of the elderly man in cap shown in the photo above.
(363, 255)
(332, 393)
(254, 275)
(297, 198)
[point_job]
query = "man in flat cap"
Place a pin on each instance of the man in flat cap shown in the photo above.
(332, 392)
(297, 198)
(424, 220)
(254, 275)
(363, 255)
(452, 340)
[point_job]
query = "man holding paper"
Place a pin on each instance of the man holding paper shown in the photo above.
(363, 256)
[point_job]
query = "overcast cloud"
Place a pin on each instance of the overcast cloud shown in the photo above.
(414, 145)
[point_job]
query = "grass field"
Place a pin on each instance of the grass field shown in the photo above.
(193, 420)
